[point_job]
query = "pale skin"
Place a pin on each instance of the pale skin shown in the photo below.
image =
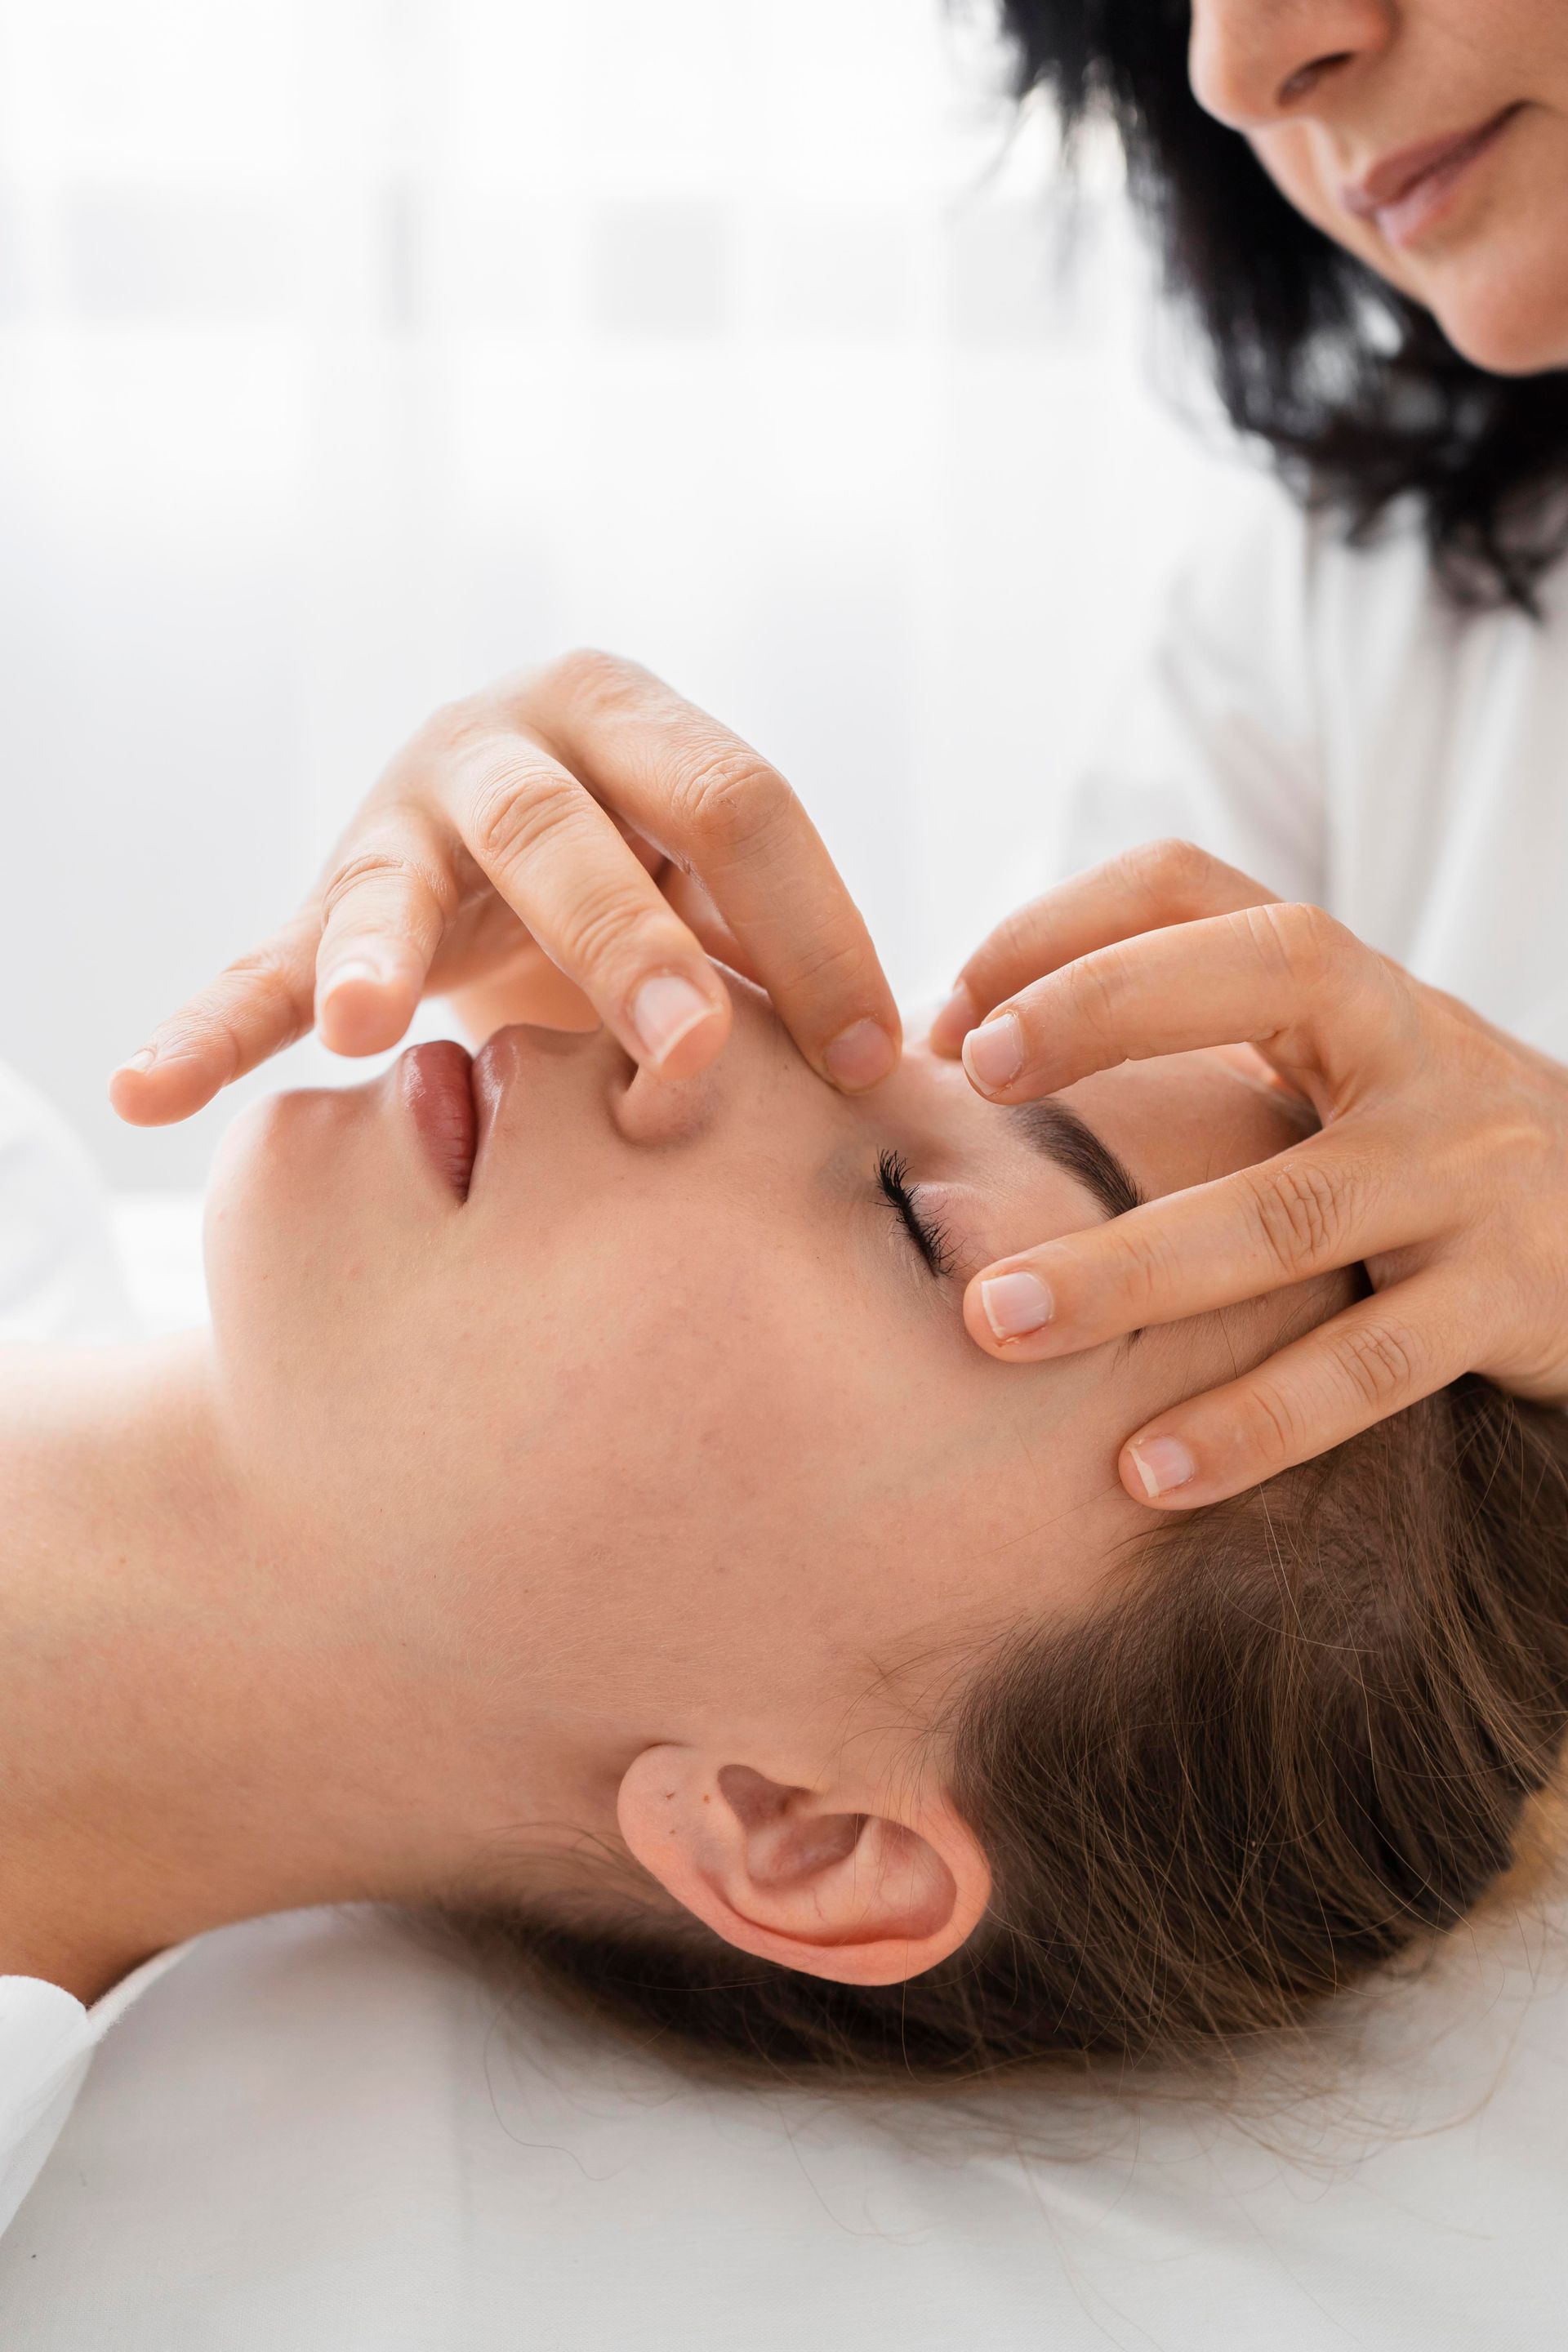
(554, 845)
(483, 1532)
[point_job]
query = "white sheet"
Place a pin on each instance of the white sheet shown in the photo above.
(315, 2134)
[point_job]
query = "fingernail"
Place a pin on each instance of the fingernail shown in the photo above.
(140, 1061)
(952, 1024)
(665, 1010)
(859, 1056)
(354, 968)
(993, 1053)
(1016, 1304)
(1162, 1462)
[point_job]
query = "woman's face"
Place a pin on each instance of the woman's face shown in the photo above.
(669, 1409)
(1430, 137)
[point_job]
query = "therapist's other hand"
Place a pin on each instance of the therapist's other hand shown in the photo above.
(567, 835)
(1441, 1164)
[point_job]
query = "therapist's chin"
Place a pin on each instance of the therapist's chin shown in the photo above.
(1507, 314)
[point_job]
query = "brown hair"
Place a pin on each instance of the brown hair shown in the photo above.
(1303, 1736)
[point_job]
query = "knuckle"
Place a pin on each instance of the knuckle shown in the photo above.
(822, 963)
(1272, 1427)
(1301, 941)
(611, 929)
(1377, 1360)
(727, 800)
(258, 993)
(453, 722)
(263, 975)
(1169, 869)
(373, 867)
(1011, 947)
(515, 807)
(1094, 988)
(585, 677)
(1142, 1266)
(455, 735)
(1300, 1214)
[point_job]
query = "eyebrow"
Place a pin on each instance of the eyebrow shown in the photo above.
(1049, 1127)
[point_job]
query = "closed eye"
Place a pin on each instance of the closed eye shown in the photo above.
(928, 1236)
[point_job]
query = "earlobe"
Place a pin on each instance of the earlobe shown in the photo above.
(806, 1879)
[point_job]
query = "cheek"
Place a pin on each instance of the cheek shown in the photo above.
(341, 1345)
(800, 1467)
(1306, 178)
(320, 1254)
(1294, 161)
(740, 1408)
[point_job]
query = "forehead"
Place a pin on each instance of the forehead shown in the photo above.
(1189, 1117)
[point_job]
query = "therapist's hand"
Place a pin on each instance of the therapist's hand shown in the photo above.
(565, 837)
(1442, 1163)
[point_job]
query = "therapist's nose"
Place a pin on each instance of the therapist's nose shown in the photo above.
(1255, 63)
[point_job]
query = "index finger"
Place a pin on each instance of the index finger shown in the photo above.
(716, 808)
(1147, 888)
(256, 1006)
(1318, 1004)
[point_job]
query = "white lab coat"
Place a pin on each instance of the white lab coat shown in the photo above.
(314, 2132)
(1319, 717)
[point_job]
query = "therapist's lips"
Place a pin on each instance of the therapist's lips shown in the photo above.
(435, 1083)
(1406, 193)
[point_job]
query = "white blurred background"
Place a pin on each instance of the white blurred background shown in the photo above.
(353, 350)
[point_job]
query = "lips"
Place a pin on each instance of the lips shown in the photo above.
(1404, 191)
(435, 1082)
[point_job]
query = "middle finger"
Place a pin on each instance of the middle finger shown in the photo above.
(575, 882)
(1286, 979)
(715, 807)
(1326, 1203)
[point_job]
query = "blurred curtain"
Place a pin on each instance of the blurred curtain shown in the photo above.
(352, 350)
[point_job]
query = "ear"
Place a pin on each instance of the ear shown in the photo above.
(803, 1877)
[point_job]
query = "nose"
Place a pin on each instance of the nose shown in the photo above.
(757, 1060)
(1256, 63)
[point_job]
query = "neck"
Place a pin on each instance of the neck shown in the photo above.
(203, 1721)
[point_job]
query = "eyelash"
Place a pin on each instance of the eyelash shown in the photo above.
(929, 1238)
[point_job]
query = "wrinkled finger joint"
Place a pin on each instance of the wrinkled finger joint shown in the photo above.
(1298, 942)
(1378, 1362)
(611, 929)
(1168, 876)
(729, 802)
(1144, 1273)
(376, 866)
(1301, 1215)
(1094, 987)
(1274, 1428)
(513, 811)
(590, 677)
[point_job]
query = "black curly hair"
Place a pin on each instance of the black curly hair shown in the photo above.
(1353, 386)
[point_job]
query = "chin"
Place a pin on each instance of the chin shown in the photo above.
(1512, 323)
(272, 1217)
